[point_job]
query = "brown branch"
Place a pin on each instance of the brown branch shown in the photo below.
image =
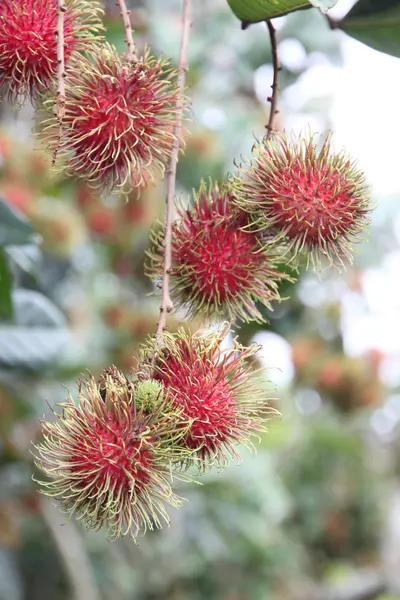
(60, 101)
(166, 302)
(69, 542)
(72, 551)
(126, 17)
(273, 99)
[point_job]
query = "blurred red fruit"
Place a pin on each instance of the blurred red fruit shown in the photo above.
(102, 220)
(134, 211)
(85, 196)
(19, 196)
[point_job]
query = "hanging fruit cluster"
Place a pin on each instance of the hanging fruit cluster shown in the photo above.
(115, 123)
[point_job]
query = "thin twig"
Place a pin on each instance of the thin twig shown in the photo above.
(68, 541)
(126, 17)
(166, 302)
(72, 551)
(60, 102)
(273, 99)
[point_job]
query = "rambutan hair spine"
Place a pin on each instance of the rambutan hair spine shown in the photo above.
(221, 265)
(226, 401)
(35, 35)
(112, 457)
(166, 301)
(110, 460)
(120, 120)
(310, 197)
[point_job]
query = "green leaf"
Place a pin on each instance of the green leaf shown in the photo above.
(6, 305)
(253, 11)
(376, 23)
(14, 228)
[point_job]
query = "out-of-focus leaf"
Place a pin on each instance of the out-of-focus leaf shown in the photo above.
(6, 306)
(37, 337)
(11, 586)
(27, 257)
(253, 11)
(376, 23)
(14, 229)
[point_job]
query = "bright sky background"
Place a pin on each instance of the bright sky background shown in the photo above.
(365, 116)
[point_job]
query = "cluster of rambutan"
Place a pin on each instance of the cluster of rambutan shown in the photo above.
(120, 113)
(292, 199)
(111, 458)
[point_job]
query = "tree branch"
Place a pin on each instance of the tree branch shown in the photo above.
(166, 303)
(60, 101)
(126, 17)
(72, 551)
(273, 99)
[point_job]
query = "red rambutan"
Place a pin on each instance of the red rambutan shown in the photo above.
(217, 390)
(108, 460)
(28, 42)
(102, 220)
(119, 119)
(220, 266)
(18, 195)
(312, 197)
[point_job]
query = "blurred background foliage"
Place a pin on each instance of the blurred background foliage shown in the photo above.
(315, 513)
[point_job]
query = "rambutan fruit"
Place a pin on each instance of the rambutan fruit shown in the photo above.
(18, 195)
(28, 57)
(118, 128)
(217, 390)
(108, 461)
(314, 198)
(102, 221)
(220, 266)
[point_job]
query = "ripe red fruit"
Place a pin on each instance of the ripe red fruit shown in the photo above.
(134, 211)
(5, 147)
(312, 197)
(28, 58)
(18, 195)
(108, 461)
(332, 374)
(115, 316)
(85, 196)
(217, 390)
(119, 119)
(102, 220)
(220, 266)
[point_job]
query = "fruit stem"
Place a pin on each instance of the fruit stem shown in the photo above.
(273, 99)
(126, 17)
(60, 100)
(166, 302)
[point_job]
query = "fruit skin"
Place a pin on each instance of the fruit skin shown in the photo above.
(18, 195)
(28, 59)
(220, 265)
(108, 461)
(349, 383)
(311, 197)
(102, 221)
(119, 119)
(217, 390)
(60, 224)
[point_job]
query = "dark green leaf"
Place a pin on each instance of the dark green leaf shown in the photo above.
(376, 23)
(6, 305)
(14, 228)
(38, 335)
(253, 11)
